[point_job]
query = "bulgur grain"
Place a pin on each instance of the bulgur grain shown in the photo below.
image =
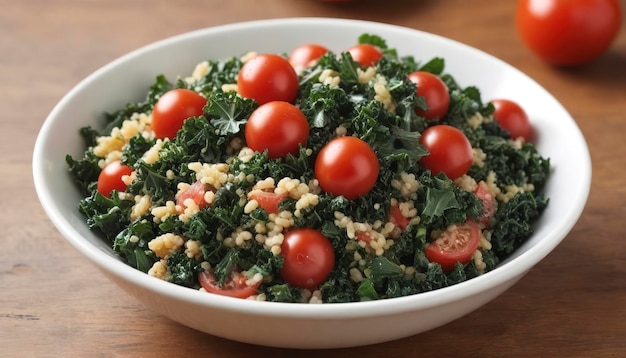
(165, 245)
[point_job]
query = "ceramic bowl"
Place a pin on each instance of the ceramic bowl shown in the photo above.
(300, 325)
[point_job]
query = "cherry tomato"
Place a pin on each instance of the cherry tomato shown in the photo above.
(450, 152)
(347, 166)
(269, 201)
(365, 54)
(396, 217)
(490, 205)
(278, 127)
(236, 286)
(434, 91)
(512, 117)
(306, 55)
(110, 178)
(308, 258)
(568, 33)
(456, 244)
(173, 108)
(266, 78)
(196, 193)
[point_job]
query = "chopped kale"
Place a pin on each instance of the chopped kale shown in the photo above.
(183, 270)
(514, 222)
(132, 244)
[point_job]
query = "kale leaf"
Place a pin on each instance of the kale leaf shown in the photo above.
(514, 222)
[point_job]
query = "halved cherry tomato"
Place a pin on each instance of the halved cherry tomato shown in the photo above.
(196, 193)
(269, 201)
(173, 108)
(450, 152)
(456, 244)
(110, 178)
(490, 205)
(347, 166)
(278, 127)
(396, 217)
(512, 117)
(365, 54)
(308, 258)
(435, 93)
(236, 286)
(306, 55)
(568, 33)
(266, 78)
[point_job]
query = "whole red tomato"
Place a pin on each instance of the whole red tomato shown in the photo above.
(110, 178)
(450, 152)
(268, 77)
(278, 127)
(347, 166)
(173, 108)
(309, 258)
(568, 33)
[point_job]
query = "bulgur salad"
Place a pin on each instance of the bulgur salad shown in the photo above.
(313, 177)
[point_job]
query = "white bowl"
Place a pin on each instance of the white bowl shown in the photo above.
(300, 325)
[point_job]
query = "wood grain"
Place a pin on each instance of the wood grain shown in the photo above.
(53, 302)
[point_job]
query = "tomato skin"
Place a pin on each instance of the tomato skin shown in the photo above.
(454, 246)
(512, 117)
(110, 178)
(266, 78)
(308, 258)
(347, 166)
(195, 192)
(365, 54)
(568, 33)
(278, 127)
(362, 236)
(173, 108)
(269, 201)
(235, 287)
(490, 205)
(450, 152)
(434, 91)
(396, 217)
(306, 55)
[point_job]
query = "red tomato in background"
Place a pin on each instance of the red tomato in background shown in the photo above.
(269, 201)
(434, 91)
(568, 33)
(173, 108)
(266, 78)
(512, 117)
(278, 127)
(308, 258)
(454, 246)
(235, 286)
(365, 54)
(196, 193)
(347, 166)
(450, 152)
(110, 178)
(306, 55)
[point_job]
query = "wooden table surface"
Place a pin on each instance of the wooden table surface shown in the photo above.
(53, 302)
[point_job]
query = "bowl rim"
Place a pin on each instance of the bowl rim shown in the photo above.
(110, 265)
